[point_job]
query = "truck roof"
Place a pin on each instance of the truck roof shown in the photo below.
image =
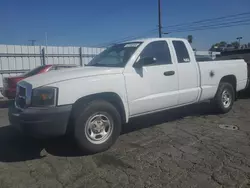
(154, 39)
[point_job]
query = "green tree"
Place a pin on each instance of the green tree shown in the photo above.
(236, 44)
(218, 46)
(190, 39)
(222, 43)
(214, 47)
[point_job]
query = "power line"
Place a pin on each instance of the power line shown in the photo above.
(134, 37)
(228, 17)
(131, 37)
(32, 42)
(205, 24)
(210, 25)
(139, 36)
(211, 28)
(214, 23)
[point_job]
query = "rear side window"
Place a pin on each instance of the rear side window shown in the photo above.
(181, 52)
(158, 50)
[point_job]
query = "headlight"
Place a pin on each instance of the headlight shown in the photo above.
(44, 96)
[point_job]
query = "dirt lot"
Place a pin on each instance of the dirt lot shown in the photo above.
(178, 148)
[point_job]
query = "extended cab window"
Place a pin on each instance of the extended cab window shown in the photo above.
(181, 52)
(158, 50)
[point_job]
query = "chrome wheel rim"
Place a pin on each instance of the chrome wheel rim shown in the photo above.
(226, 99)
(98, 128)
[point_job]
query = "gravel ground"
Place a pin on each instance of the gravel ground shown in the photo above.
(178, 148)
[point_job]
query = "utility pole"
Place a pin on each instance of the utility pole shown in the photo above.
(239, 38)
(159, 18)
(32, 42)
(46, 41)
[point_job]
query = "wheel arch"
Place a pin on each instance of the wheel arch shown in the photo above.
(231, 79)
(111, 97)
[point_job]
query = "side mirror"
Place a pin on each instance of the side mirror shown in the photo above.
(144, 61)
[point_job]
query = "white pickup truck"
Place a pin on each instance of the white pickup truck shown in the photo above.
(124, 81)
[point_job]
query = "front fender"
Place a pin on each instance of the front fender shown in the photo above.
(72, 90)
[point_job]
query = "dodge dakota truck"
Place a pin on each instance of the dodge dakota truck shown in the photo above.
(124, 81)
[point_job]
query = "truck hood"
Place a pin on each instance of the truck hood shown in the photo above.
(68, 74)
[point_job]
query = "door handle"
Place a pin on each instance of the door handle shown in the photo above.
(169, 73)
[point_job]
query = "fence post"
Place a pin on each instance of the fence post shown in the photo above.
(80, 53)
(43, 56)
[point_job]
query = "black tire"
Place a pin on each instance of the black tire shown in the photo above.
(95, 108)
(218, 99)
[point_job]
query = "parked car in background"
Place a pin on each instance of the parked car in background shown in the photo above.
(9, 83)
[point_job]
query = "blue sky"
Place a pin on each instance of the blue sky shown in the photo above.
(92, 22)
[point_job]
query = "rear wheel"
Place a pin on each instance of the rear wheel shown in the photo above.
(97, 126)
(224, 97)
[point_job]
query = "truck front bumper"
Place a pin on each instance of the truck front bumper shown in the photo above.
(41, 122)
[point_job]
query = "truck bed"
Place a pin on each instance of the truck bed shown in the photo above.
(237, 54)
(213, 71)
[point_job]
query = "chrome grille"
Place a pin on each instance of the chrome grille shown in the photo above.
(22, 91)
(20, 102)
(23, 95)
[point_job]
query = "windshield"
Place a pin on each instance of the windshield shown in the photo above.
(34, 71)
(115, 56)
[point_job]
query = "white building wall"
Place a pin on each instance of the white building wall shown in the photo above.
(16, 59)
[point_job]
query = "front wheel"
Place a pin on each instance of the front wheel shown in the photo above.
(97, 126)
(224, 98)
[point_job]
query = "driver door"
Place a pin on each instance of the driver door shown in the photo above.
(153, 87)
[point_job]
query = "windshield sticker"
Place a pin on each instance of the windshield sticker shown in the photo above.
(132, 45)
